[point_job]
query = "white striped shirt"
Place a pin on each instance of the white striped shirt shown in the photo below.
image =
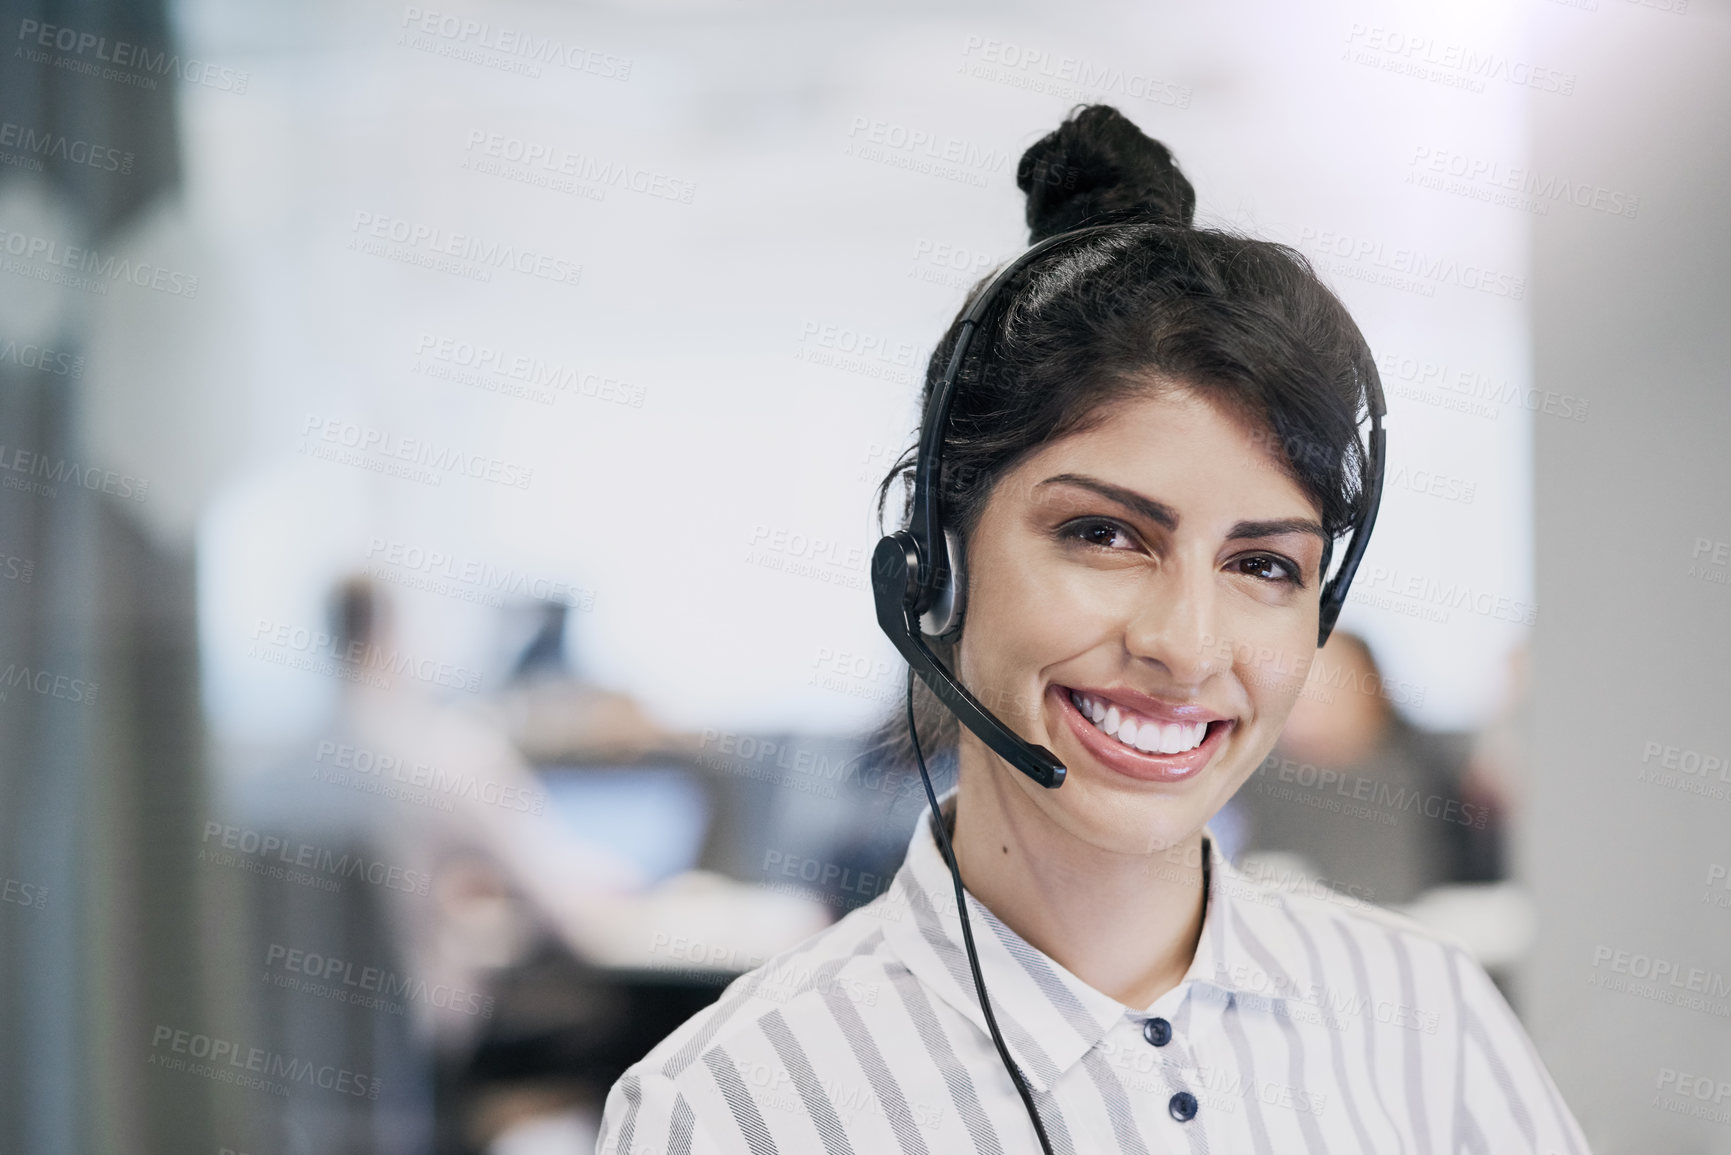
(1304, 1023)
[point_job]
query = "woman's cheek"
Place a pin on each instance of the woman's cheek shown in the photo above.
(1273, 676)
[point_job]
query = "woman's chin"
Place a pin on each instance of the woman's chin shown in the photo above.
(1104, 815)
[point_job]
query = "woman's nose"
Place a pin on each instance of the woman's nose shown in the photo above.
(1175, 625)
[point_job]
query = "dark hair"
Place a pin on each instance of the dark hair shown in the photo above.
(1243, 322)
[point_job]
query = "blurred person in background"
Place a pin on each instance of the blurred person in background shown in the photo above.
(552, 712)
(440, 789)
(1499, 763)
(469, 873)
(1356, 796)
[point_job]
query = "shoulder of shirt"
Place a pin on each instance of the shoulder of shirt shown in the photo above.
(1314, 907)
(786, 982)
(1297, 931)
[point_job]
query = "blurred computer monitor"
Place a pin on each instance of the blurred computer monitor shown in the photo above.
(654, 815)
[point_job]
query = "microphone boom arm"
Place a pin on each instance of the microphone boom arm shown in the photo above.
(902, 626)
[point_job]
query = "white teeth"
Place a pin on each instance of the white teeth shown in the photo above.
(1148, 736)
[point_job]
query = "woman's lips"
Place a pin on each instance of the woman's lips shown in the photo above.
(1133, 763)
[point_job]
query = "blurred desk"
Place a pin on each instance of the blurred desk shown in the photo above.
(557, 1018)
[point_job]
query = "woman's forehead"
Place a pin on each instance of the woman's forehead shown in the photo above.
(1174, 446)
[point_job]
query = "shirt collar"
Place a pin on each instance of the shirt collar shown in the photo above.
(1050, 1018)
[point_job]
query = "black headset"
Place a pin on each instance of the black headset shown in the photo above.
(920, 590)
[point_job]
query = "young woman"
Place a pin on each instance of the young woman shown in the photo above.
(1152, 446)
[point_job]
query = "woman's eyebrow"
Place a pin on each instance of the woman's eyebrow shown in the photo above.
(1157, 512)
(1166, 517)
(1275, 528)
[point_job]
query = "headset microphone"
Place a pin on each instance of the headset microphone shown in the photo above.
(894, 564)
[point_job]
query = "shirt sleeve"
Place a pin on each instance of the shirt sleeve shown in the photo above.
(1506, 1101)
(646, 1114)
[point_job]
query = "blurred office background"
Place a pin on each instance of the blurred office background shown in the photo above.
(437, 450)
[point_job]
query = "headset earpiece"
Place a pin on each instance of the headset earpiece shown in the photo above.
(943, 620)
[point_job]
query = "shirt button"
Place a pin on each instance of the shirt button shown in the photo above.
(1183, 1106)
(1157, 1031)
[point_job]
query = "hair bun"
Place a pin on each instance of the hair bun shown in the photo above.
(1097, 166)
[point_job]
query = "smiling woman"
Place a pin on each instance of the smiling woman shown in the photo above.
(1149, 440)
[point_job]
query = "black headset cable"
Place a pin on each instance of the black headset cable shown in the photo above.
(968, 934)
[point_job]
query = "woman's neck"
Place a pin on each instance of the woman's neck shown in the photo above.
(1125, 924)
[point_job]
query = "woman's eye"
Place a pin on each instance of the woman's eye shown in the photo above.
(1268, 567)
(1105, 534)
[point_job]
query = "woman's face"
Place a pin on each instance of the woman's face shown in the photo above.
(1156, 573)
